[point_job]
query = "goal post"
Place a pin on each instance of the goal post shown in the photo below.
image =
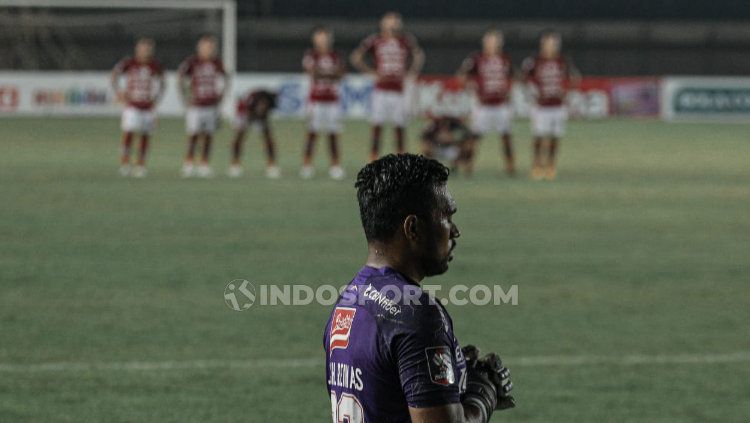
(227, 7)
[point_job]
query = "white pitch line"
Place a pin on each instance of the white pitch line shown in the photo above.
(538, 361)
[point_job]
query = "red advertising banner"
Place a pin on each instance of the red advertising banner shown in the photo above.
(594, 98)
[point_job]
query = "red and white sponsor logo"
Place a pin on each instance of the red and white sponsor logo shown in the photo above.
(8, 98)
(341, 327)
(440, 364)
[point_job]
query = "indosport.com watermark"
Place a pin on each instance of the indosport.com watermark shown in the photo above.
(240, 295)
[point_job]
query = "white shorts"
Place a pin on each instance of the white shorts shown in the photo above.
(388, 107)
(138, 120)
(447, 152)
(486, 119)
(324, 117)
(548, 121)
(201, 119)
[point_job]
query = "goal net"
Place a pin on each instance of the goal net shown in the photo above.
(91, 35)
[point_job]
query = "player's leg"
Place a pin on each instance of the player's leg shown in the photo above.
(308, 171)
(239, 124)
(479, 127)
(272, 170)
(314, 125)
(398, 117)
(539, 123)
(333, 127)
(377, 117)
(140, 169)
(504, 128)
(550, 167)
(559, 118)
(127, 126)
(147, 121)
(235, 165)
(208, 122)
(507, 145)
(192, 129)
(399, 133)
(204, 169)
(126, 143)
(377, 131)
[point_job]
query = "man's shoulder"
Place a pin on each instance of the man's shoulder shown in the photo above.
(393, 302)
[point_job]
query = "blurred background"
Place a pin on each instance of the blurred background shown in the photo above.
(632, 266)
(617, 37)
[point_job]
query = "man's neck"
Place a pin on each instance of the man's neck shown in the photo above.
(379, 256)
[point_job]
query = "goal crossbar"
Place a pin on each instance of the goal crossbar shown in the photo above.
(228, 8)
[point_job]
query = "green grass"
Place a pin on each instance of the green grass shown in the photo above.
(640, 247)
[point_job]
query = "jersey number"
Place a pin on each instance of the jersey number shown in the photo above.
(347, 409)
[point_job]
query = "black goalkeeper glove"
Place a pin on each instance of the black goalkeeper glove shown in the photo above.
(480, 392)
(499, 375)
(488, 383)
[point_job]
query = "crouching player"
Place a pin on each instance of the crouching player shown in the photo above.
(448, 139)
(548, 77)
(142, 90)
(202, 84)
(490, 73)
(391, 353)
(254, 109)
(325, 69)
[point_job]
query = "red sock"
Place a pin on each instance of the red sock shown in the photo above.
(143, 149)
(127, 141)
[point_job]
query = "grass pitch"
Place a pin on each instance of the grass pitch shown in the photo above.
(634, 295)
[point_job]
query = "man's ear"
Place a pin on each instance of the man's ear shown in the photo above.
(411, 230)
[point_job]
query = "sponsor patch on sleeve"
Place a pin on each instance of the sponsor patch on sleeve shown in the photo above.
(440, 364)
(341, 327)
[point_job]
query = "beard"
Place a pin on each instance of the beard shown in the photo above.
(434, 266)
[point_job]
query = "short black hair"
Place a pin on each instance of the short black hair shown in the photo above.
(395, 186)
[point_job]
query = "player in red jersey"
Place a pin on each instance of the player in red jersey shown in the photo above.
(325, 69)
(390, 51)
(490, 74)
(202, 83)
(254, 108)
(143, 87)
(548, 77)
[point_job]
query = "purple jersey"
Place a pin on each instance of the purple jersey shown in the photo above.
(384, 356)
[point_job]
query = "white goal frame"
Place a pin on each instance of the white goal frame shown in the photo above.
(228, 8)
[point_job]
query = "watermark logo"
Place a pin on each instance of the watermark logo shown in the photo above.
(239, 294)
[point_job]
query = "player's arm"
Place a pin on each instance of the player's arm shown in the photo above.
(357, 58)
(162, 86)
(451, 413)
(225, 81)
(574, 75)
(417, 58)
(115, 77)
(340, 70)
(527, 72)
(463, 71)
(183, 82)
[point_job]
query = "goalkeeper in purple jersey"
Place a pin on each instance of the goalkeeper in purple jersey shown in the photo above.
(391, 355)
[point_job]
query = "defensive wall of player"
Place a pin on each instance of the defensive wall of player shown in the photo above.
(672, 98)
